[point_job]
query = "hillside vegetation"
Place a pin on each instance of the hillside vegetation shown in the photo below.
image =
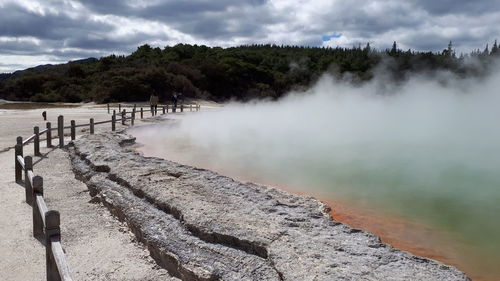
(220, 74)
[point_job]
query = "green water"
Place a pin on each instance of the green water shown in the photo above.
(445, 187)
(429, 155)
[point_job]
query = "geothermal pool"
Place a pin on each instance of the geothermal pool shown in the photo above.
(421, 168)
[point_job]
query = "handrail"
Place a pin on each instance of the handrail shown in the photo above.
(41, 206)
(32, 137)
(103, 122)
(59, 258)
(43, 132)
(20, 159)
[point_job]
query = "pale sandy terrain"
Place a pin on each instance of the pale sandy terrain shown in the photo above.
(97, 246)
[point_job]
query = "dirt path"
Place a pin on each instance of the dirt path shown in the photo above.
(21, 256)
(97, 246)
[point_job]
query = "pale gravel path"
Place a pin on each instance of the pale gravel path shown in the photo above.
(97, 246)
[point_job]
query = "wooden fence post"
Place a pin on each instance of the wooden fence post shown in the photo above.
(182, 107)
(142, 113)
(190, 107)
(91, 126)
(132, 121)
(37, 216)
(18, 151)
(167, 108)
(113, 121)
(52, 229)
(163, 110)
(36, 141)
(28, 165)
(124, 116)
(73, 130)
(119, 108)
(108, 108)
(49, 134)
(60, 130)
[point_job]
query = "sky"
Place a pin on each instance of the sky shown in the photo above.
(35, 32)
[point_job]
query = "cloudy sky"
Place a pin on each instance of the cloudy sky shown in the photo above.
(34, 32)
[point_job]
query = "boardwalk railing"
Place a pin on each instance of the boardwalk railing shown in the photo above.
(46, 223)
(165, 108)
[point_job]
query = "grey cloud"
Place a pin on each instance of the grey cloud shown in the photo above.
(418, 24)
(106, 7)
(166, 8)
(201, 18)
(85, 41)
(58, 35)
(10, 67)
(49, 49)
(442, 7)
(17, 48)
(17, 21)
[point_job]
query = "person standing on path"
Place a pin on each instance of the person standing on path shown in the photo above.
(153, 101)
(174, 102)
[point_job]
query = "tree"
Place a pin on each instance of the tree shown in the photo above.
(143, 51)
(242, 73)
(367, 47)
(75, 70)
(449, 52)
(394, 48)
(486, 51)
(494, 49)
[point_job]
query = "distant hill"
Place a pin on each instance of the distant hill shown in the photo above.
(220, 74)
(5, 76)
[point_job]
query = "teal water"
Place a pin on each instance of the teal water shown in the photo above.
(427, 156)
(445, 188)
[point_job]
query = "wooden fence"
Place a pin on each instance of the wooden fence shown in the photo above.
(165, 108)
(46, 223)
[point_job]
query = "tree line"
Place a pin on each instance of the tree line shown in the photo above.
(220, 74)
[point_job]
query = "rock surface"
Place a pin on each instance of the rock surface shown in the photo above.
(200, 225)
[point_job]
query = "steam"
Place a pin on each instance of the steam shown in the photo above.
(427, 149)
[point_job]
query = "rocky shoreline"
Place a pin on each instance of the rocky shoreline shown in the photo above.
(200, 225)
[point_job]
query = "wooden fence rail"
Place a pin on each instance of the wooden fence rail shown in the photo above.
(45, 222)
(163, 107)
(35, 138)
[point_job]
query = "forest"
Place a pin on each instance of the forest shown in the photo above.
(220, 74)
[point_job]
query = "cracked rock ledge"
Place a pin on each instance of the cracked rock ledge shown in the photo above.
(200, 225)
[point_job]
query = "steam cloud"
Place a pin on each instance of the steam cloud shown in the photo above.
(428, 149)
